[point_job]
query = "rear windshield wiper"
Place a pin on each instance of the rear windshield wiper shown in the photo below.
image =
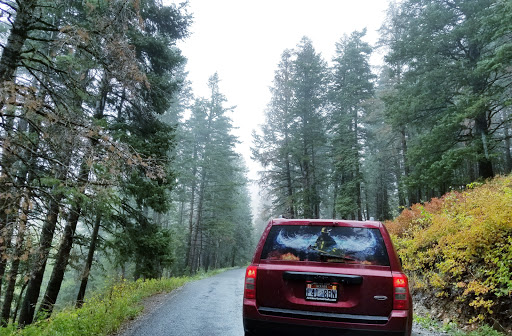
(329, 256)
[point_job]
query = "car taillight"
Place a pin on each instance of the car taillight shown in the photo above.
(400, 292)
(250, 282)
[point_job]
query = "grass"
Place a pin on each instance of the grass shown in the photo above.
(103, 313)
(452, 328)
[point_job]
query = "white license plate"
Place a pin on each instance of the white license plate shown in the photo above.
(322, 292)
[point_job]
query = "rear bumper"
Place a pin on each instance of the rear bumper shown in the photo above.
(269, 321)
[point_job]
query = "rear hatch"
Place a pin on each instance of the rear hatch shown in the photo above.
(325, 272)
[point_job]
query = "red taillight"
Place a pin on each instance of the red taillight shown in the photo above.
(400, 292)
(250, 282)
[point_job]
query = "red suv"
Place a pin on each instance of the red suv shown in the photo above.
(326, 277)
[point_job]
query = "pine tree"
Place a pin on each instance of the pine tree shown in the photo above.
(449, 94)
(273, 148)
(309, 86)
(62, 64)
(292, 145)
(211, 181)
(352, 88)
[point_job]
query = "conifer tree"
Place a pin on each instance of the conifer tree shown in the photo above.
(292, 145)
(211, 180)
(352, 88)
(309, 86)
(450, 93)
(62, 64)
(273, 147)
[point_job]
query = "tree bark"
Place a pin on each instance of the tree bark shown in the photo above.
(188, 257)
(13, 273)
(62, 259)
(195, 252)
(289, 188)
(31, 297)
(28, 305)
(88, 263)
(506, 133)
(6, 233)
(61, 262)
(6, 228)
(192, 259)
(485, 166)
(357, 168)
(22, 290)
(26, 177)
(26, 174)
(21, 26)
(66, 244)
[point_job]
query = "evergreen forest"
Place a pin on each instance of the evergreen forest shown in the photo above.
(112, 168)
(101, 171)
(343, 139)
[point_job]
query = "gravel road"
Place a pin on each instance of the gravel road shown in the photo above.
(207, 307)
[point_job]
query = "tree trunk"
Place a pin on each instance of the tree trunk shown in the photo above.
(182, 209)
(188, 257)
(485, 167)
(13, 273)
(399, 179)
(335, 196)
(5, 239)
(195, 252)
(508, 156)
(6, 233)
(192, 254)
(307, 204)
(88, 263)
(289, 187)
(6, 228)
(357, 162)
(26, 176)
(359, 203)
(22, 290)
(61, 262)
(62, 259)
(28, 305)
(66, 243)
(411, 197)
(29, 302)
(18, 35)
(233, 257)
(314, 185)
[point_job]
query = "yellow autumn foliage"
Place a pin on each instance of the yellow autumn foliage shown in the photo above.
(458, 248)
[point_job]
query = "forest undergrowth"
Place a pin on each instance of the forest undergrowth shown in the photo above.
(457, 252)
(106, 311)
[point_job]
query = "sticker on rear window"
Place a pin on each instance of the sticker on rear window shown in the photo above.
(326, 244)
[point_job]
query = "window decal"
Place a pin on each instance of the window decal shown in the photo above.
(325, 244)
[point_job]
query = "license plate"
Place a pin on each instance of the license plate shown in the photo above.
(322, 292)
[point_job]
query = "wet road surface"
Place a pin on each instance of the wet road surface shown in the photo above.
(207, 307)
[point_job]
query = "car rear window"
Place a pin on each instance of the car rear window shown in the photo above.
(352, 245)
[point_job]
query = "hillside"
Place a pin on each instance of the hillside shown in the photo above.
(457, 251)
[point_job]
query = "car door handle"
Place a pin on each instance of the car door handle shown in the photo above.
(380, 297)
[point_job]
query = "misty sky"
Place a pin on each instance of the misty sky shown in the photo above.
(243, 41)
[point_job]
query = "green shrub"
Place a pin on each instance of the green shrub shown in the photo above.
(458, 249)
(452, 329)
(104, 312)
